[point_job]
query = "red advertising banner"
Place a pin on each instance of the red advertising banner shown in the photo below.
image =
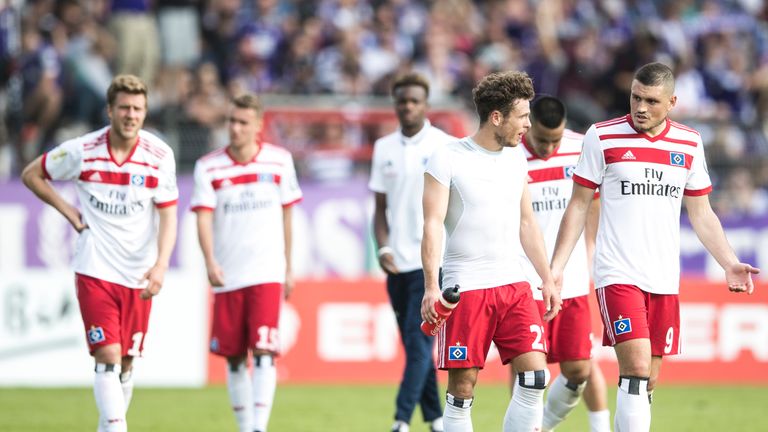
(342, 331)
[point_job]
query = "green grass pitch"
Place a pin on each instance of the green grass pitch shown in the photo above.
(353, 408)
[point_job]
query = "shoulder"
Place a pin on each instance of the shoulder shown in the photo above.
(211, 159)
(274, 153)
(436, 133)
(154, 145)
(571, 142)
(617, 123)
(682, 134)
(387, 140)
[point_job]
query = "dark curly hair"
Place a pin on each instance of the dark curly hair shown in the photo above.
(500, 91)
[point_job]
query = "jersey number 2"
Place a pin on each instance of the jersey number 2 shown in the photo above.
(538, 344)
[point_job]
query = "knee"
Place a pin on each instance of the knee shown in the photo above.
(638, 367)
(461, 387)
(576, 373)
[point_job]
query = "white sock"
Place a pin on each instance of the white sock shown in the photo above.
(401, 426)
(599, 421)
(457, 415)
(526, 409)
(437, 425)
(109, 398)
(126, 381)
(633, 412)
(561, 400)
(264, 384)
(239, 387)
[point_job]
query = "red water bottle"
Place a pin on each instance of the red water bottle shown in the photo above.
(444, 306)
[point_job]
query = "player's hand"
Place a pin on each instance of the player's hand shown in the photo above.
(552, 300)
(431, 295)
(387, 263)
(288, 285)
(215, 274)
(155, 277)
(76, 220)
(739, 278)
(557, 279)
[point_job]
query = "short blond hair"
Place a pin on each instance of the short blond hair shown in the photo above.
(125, 83)
(248, 101)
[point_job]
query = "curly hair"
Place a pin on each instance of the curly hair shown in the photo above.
(125, 83)
(500, 91)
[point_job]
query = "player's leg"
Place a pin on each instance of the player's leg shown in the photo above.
(664, 323)
(134, 323)
(570, 344)
(100, 311)
(624, 310)
(462, 347)
(564, 392)
(526, 408)
(264, 302)
(419, 382)
(405, 401)
(654, 379)
(595, 398)
(228, 339)
(457, 416)
(633, 412)
(521, 338)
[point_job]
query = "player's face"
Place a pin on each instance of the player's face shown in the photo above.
(510, 130)
(244, 126)
(127, 114)
(543, 140)
(649, 107)
(411, 106)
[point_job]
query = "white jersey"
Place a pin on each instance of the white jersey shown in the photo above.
(550, 182)
(642, 181)
(397, 170)
(483, 218)
(117, 202)
(247, 200)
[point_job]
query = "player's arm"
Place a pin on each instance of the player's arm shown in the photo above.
(435, 204)
(166, 239)
(381, 233)
(571, 227)
(738, 275)
(288, 240)
(590, 231)
(34, 179)
(205, 238)
(533, 245)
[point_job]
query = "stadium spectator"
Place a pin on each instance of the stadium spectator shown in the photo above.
(126, 184)
(397, 180)
(552, 152)
(134, 26)
(476, 190)
(645, 166)
(243, 198)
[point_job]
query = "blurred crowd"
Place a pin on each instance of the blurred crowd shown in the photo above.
(57, 58)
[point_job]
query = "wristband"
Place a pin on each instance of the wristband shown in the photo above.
(385, 250)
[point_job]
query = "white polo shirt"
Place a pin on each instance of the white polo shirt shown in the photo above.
(397, 170)
(247, 201)
(483, 219)
(642, 181)
(117, 202)
(550, 182)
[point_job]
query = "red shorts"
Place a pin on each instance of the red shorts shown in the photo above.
(112, 314)
(569, 334)
(245, 319)
(631, 313)
(505, 315)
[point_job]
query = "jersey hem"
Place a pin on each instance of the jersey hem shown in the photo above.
(166, 204)
(697, 192)
(584, 182)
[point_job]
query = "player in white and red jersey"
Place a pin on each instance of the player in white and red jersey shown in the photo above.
(552, 152)
(645, 165)
(244, 196)
(397, 179)
(477, 188)
(126, 185)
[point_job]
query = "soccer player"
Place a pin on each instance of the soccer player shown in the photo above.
(244, 196)
(552, 152)
(477, 189)
(645, 166)
(397, 179)
(126, 185)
